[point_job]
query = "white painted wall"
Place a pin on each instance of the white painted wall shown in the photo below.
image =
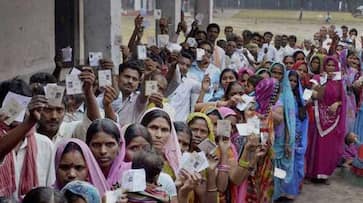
(26, 37)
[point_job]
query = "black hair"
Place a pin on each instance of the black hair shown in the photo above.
(229, 88)
(206, 42)
(70, 147)
(284, 36)
(136, 65)
(228, 70)
(254, 80)
(293, 37)
(213, 25)
(151, 115)
(256, 34)
(344, 27)
(103, 125)
(136, 130)
(301, 107)
(72, 197)
(187, 54)
(297, 53)
(346, 140)
(353, 30)
(201, 31)
(182, 127)
(228, 27)
(44, 195)
(15, 85)
(151, 162)
(42, 78)
(247, 34)
(287, 56)
(268, 33)
(215, 112)
(221, 43)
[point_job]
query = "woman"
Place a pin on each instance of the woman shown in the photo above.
(137, 139)
(202, 128)
(358, 126)
(301, 68)
(184, 136)
(260, 183)
(288, 61)
(243, 75)
(108, 147)
(164, 138)
(330, 110)
(75, 161)
(291, 189)
(283, 113)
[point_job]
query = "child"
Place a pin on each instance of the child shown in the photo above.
(351, 149)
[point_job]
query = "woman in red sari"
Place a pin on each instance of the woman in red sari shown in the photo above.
(330, 110)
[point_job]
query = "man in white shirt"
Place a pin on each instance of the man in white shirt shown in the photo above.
(291, 47)
(279, 50)
(219, 55)
(268, 48)
(183, 91)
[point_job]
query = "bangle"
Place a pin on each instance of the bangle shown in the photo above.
(224, 168)
(244, 164)
(212, 190)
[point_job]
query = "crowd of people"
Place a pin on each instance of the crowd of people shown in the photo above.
(306, 113)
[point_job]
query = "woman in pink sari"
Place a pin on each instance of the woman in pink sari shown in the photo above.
(330, 113)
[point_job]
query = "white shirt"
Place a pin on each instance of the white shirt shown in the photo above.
(184, 96)
(279, 54)
(44, 162)
(167, 184)
(269, 56)
(221, 54)
(76, 116)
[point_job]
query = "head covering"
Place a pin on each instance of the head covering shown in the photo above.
(207, 119)
(28, 175)
(95, 174)
(265, 90)
(225, 112)
(172, 150)
(318, 56)
(331, 58)
(245, 70)
(118, 165)
(81, 188)
(260, 70)
(298, 64)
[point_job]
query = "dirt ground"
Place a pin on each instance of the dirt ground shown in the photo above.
(339, 190)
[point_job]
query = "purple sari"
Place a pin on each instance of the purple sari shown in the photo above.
(327, 147)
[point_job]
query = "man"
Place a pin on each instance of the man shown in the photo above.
(133, 102)
(344, 38)
(51, 122)
(279, 50)
(291, 47)
(218, 56)
(285, 41)
(267, 47)
(26, 158)
(228, 32)
(184, 90)
(205, 69)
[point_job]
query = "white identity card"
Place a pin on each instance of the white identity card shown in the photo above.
(307, 94)
(157, 14)
(163, 40)
(104, 78)
(73, 83)
(141, 52)
(323, 79)
(224, 128)
(337, 75)
(151, 87)
(247, 100)
(134, 180)
(207, 146)
(200, 54)
(54, 94)
(199, 17)
(94, 58)
(67, 54)
(245, 129)
(14, 106)
(192, 42)
(113, 196)
(279, 173)
(194, 162)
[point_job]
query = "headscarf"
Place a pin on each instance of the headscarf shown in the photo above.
(81, 188)
(318, 56)
(303, 80)
(172, 150)
(28, 175)
(265, 90)
(207, 120)
(95, 174)
(225, 112)
(287, 98)
(245, 70)
(118, 165)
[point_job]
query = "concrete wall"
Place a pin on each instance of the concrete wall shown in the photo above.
(26, 37)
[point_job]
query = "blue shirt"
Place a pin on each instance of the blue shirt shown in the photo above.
(198, 74)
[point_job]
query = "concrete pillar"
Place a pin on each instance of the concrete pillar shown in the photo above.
(171, 10)
(102, 28)
(204, 7)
